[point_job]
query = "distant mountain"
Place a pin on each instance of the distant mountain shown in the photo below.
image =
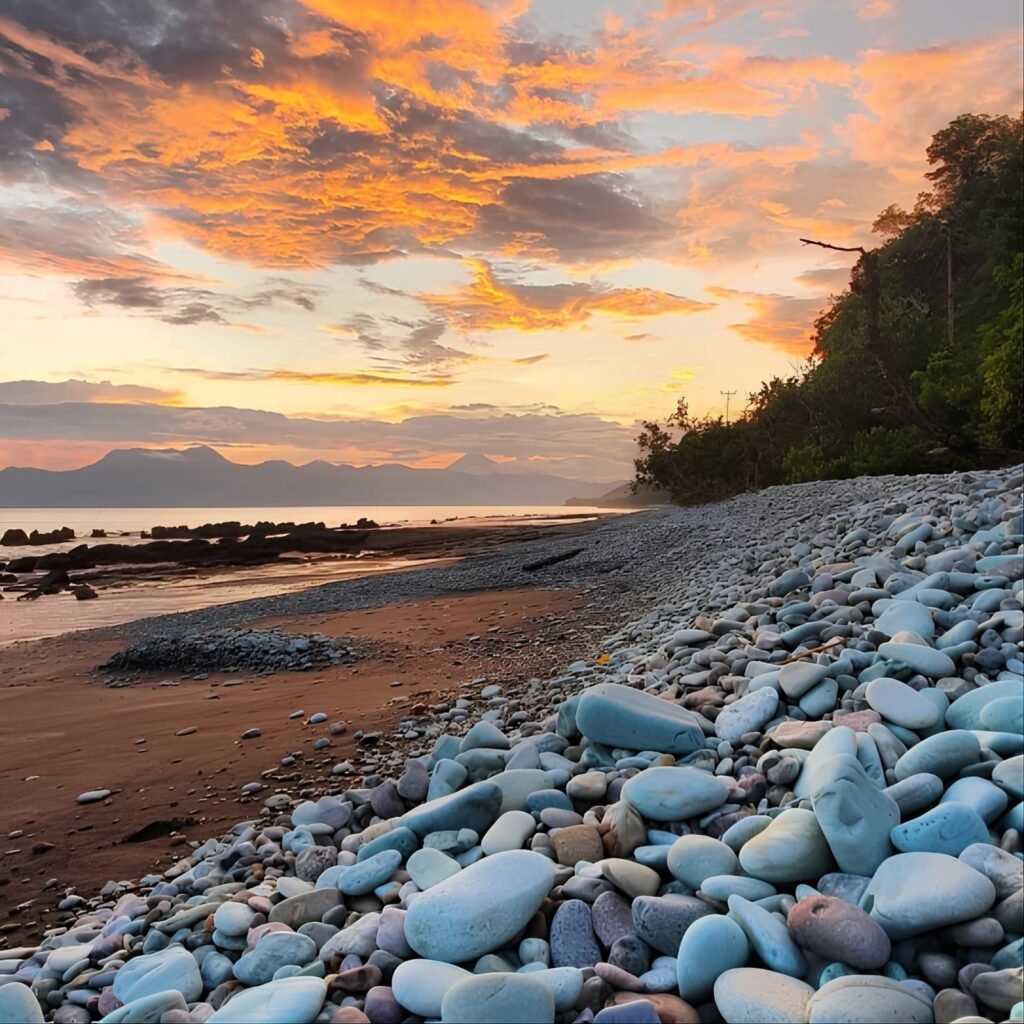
(200, 477)
(622, 496)
(482, 465)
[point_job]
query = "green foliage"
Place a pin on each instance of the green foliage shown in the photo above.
(840, 415)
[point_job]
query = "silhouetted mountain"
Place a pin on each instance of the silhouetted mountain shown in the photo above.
(200, 477)
(623, 497)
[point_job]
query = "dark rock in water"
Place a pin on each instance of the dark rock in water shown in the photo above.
(14, 538)
(83, 592)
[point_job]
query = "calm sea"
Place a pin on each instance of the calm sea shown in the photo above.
(132, 520)
(61, 613)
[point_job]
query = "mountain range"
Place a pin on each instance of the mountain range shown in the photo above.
(201, 477)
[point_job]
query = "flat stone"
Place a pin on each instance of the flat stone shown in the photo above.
(748, 714)
(1002, 869)
(710, 946)
(420, 985)
(919, 658)
(612, 918)
(476, 807)
(768, 937)
(661, 921)
(273, 951)
(670, 1009)
(914, 893)
(365, 876)
(838, 931)
(498, 999)
(160, 1006)
(305, 907)
(674, 794)
(693, 858)
(791, 849)
(619, 716)
(901, 704)
(985, 798)
(752, 995)
(288, 1001)
(1009, 776)
(509, 832)
(796, 678)
(573, 943)
(943, 754)
(233, 918)
(429, 867)
(18, 1005)
(965, 712)
(93, 796)
(576, 843)
(481, 908)
(170, 968)
(867, 999)
(915, 793)
(854, 815)
(948, 828)
(631, 877)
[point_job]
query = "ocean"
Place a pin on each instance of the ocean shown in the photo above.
(133, 520)
(52, 615)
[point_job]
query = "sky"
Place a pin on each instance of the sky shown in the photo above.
(403, 231)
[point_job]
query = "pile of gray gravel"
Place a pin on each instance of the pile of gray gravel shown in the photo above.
(232, 650)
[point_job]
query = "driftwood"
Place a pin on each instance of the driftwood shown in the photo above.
(543, 563)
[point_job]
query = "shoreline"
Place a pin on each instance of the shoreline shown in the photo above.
(67, 726)
(133, 592)
(735, 647)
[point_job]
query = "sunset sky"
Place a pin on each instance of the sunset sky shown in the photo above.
(402, 231)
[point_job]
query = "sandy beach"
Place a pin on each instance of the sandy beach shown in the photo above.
(65, 731)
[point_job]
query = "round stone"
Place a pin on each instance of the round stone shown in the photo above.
(429, 867)
(662, 921)
(752, 995)
(170, 968)
(748, 714)
(619, 716)
(855, 816)
(509, 832)
(791, 849)
(233, 918)
(836, 930)
(913, 893)
(693, 858)
(867, 999)
(675, 794)
(481, 908)
(919, 658)
(948, 828)
(901, 704)
(18, 1005)
(420, 985)
(291, 1000)
(710, 946)
(498, 999)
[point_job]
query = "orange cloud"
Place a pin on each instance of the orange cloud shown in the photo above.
(488, 303)
(908, 95)
(782, 321)
(319, 377)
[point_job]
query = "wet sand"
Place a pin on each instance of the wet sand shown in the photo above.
(63, 731)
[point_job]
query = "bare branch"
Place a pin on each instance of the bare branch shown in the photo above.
(838, 248)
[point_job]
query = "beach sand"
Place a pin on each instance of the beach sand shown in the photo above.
(65, 731)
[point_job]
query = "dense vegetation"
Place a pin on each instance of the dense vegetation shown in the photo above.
(892, 386)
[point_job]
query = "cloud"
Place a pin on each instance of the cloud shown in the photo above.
(316, 377)
(830, 280)
(489, 303)
(641, 336)
(593, 446)
(782, 321)
(907, 95)
(38, 392)
(191, 305)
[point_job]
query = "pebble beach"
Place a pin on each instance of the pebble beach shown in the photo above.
(786, 785)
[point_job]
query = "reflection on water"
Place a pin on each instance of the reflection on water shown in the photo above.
(62, 613)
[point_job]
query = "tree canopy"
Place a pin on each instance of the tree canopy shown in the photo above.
(892, 385)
